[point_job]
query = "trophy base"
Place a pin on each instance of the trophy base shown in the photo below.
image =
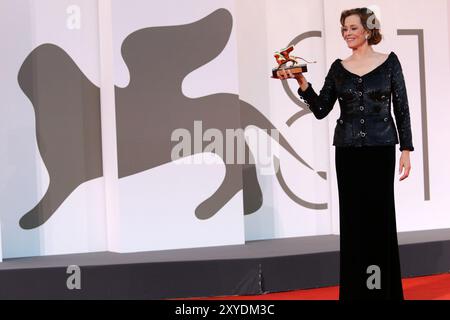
(294, 69)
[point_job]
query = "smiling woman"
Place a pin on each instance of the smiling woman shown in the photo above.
(365, 137)
(357, 24)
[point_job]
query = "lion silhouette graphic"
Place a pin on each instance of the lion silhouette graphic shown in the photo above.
(148, 110)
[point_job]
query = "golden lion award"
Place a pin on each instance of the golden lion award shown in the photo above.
(288, 62)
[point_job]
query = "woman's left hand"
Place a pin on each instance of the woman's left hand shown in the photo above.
(404, 163)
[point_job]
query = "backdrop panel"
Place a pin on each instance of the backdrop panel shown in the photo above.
(296, 198)
(51, 199)
(175, 66)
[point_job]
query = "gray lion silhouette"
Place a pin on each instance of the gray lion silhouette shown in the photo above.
(148, 110)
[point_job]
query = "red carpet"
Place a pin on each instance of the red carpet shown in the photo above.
(435, 287)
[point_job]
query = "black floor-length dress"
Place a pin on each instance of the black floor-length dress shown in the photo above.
(368, 233)
(366, 139)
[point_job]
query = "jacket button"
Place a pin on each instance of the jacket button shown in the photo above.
(359, 93)
(363, 134)
(361, 108)
(359, 80)
(385, 119)
(362, 120)
(341, 121)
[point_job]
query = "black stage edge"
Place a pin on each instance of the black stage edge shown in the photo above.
(254, 268)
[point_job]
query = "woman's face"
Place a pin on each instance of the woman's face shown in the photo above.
(353, 31)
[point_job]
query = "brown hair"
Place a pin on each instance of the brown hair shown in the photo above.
(369, 21)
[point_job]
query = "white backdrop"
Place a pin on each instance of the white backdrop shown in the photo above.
(79, 224)
(153, 209)
(271, 27)
(414, 210)
(156, 206)
(276, 27)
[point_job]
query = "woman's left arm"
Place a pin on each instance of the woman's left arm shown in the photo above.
(402, 117)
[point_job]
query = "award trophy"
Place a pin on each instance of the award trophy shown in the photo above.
(283, 57)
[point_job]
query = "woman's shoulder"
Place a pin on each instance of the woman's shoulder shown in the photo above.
(395, 61)
(336, 62)
(333, 69)
(394, 55)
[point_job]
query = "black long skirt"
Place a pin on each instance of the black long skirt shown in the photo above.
(369, 254)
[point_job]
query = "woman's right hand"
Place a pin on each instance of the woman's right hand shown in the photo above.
(286, 74)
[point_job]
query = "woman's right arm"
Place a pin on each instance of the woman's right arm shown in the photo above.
(321, 104)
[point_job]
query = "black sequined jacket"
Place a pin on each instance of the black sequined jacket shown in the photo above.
(365, 104)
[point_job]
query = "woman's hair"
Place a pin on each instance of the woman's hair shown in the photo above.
(369, 21)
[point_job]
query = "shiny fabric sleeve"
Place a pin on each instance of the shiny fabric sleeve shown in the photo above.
(401, 107)
(321, 104)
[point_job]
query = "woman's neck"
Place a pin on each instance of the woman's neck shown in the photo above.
(362, 52)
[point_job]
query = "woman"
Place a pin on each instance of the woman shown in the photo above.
(365, 137)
